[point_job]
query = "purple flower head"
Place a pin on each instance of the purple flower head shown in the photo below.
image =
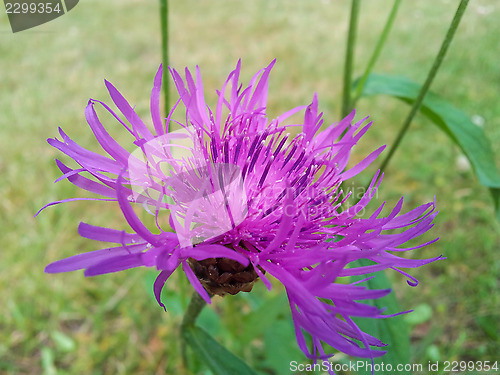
(237, 198)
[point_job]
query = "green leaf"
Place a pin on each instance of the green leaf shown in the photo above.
(258, 322)
(495, 193)
(220, 360)
(63, 342)
(421, 314)
(281, 346)
(433, 353)
(47, 357)
(210, 321)
(392, 331)
(489, 325)
(455, 123)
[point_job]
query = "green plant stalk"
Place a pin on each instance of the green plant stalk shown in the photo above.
(348, 66)
(376, 52)
(164, 50)
(430, 77)
(194, 309)
(349, 58)
(233, 322)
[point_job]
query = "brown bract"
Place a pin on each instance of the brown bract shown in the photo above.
(221, 275)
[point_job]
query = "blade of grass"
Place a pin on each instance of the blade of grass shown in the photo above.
(349, 58)
(430, 77)
(376, 51)
(164, 50)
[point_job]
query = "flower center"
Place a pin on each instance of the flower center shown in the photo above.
(221, 275)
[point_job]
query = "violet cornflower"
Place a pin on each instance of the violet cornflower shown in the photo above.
(245, 199)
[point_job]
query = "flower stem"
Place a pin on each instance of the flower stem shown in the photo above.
(164, 50)
(194, 309)
(349, 58)
(377, 50)
(430, 77)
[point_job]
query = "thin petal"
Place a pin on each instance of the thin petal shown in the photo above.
(85, 260)
(107, 234)
(105, 140)
(155, 102)
(116, 264)
(201, 252)
(85, 183)
(195, 282)
(128, 112)
(158, 286)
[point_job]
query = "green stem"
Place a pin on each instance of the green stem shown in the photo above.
(194, 309)
(430, 77)
(349, 58)
(376, 51)
(164, 50)
(348, 67)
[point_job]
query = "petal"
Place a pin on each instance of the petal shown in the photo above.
(158, 286)
(195, 282)
(155, 102)
(87, 159)
(125, 108)
(72, 200)
(115, 264)
(259, 97)
(85, 183)
(106, 234)
(361, 165)
(105, 140)
(86, 260)
(131, 217)
(202, 251)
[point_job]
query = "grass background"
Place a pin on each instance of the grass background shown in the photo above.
(66, 324)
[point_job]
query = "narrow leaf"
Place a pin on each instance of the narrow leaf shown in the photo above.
(220, 360)
(455, 123)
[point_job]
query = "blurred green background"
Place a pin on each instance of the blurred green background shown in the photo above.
(66, 324)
